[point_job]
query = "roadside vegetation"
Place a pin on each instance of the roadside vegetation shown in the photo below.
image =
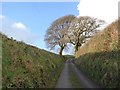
(99, 58)
(25, 66)
(73, 79)
(97, 54)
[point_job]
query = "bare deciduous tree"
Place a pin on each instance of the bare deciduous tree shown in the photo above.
(56, 34)
(83, 28)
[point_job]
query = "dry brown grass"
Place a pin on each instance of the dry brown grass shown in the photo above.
(99, 58)
(105, 40)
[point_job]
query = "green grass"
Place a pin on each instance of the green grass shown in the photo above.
(69, 56)
(73, 79)
(99, 58)
(103, 68)
(27, 66)
(0, 62)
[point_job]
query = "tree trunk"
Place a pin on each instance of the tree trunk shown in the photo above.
(77, 47)
(61, 49)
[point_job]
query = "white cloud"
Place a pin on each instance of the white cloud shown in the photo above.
(19, 26)
(1, 16)
(102, 9)
(18, 31)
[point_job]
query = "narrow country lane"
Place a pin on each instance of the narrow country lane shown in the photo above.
(64, 79)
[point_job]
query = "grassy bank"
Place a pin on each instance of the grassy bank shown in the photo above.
(103, 68)
(99, 58)
(27, 66)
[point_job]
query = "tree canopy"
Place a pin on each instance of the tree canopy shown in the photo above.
(83, 28)
(71, 29)
(56, 34)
